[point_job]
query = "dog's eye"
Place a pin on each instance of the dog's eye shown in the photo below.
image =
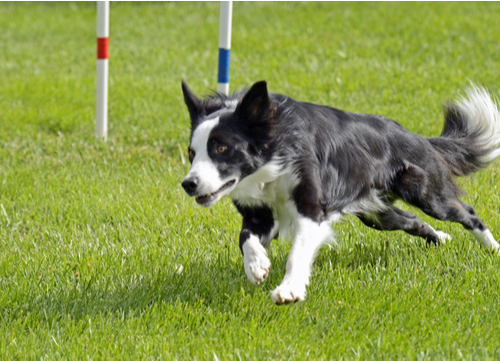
(191, 154)
(221, 148)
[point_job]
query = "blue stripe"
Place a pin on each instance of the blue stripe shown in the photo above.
(224, 55)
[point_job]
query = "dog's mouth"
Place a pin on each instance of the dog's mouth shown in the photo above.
(209, 198)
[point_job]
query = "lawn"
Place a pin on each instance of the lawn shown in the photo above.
(102, 255)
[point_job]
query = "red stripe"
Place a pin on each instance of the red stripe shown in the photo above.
(102, 48)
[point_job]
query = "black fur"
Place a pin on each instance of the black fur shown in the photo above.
(256, 220)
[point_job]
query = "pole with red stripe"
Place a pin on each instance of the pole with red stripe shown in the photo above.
(101, 104)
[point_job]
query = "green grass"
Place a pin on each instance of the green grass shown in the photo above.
(103, 256)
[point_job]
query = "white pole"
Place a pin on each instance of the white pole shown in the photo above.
(101, 104)
(226, 14)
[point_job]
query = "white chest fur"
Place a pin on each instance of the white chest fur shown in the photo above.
(272, 185)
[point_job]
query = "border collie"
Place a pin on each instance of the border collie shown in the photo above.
(293, 169)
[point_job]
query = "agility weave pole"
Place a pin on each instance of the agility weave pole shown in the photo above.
(101, 121)
(101, 104)
(226, 14)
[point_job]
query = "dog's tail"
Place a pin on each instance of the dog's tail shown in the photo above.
(470, 139)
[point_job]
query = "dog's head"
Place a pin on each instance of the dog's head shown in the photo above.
(231, 138)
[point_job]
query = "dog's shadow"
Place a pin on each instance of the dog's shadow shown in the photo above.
(212, 282)
(205, 282)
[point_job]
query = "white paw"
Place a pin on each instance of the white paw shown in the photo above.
(257, 264)
(487, 239)
(443, 237)
(286, 293)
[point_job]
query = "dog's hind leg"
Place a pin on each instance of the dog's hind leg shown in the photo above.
(479, 230)
(436, 195)
(395, 219)
(454, 210)
(443, 204)
(258, 230)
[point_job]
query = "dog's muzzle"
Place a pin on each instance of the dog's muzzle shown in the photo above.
(192, 187)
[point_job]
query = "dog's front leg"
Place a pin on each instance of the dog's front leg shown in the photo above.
(309, 237)
(259, 228)
(257, 264)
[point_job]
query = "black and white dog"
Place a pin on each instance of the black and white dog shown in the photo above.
(294, 168)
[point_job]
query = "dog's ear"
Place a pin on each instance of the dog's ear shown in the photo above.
(255, 104)
(193, 103)
(255, 111)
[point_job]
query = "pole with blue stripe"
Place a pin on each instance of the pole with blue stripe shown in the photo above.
(226, 14)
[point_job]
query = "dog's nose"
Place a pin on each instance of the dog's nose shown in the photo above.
(190, 185)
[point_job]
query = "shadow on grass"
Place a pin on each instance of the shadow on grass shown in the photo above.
(219, 284)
